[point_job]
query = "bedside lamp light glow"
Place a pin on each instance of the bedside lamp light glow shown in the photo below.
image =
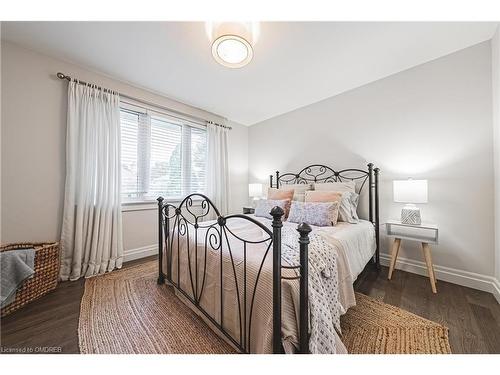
(410, 192)
(255, 190)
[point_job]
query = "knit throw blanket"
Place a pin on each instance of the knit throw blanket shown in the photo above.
(324, 305)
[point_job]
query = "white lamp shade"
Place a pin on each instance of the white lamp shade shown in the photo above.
(255, 190)
(410, 191)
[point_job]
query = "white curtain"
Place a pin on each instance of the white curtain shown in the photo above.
(91, 238)
(217, 166)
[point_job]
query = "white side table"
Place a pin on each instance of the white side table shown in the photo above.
(425, 233)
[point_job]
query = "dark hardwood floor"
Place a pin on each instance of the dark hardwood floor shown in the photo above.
(50, 324)
(472, 316)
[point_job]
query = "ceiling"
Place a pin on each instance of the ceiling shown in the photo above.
(295, 63)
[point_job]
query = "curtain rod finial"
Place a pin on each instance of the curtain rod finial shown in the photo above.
(62, 76)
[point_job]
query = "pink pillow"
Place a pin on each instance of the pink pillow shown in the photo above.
(281, 194)
(323, 196)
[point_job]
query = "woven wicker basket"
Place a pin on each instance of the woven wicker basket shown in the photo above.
(43, 280)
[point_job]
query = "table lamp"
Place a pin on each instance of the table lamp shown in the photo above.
(255, 191)
(410, 192)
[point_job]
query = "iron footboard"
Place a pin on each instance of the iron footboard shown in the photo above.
(184, 221)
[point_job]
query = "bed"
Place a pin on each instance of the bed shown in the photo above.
(269, 286)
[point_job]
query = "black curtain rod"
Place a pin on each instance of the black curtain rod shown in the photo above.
(201, 120)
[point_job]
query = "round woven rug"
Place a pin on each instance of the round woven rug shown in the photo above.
(126, 312)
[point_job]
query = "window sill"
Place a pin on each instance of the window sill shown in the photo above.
(152, 205)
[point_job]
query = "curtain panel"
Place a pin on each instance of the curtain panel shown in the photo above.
(217, 166)
(91, 237)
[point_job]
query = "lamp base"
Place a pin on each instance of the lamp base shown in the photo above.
(411, 215)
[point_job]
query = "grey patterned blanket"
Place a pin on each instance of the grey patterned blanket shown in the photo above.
(324, 304)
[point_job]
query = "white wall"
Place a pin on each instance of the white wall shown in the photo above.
(0, 135)
(433, 121)
(33, 149)
(495, 44)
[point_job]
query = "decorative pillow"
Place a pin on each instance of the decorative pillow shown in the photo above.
(348, 203)
(314, 213)
(323, 196)
(264, 206)
(280, 194)
(298, 190)
(348, 185)
(354, 200)
(348, 207)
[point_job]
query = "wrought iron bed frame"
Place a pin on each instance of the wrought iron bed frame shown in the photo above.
(173, 224)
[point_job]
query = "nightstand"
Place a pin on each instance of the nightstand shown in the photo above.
(248, 210)
(426, 234)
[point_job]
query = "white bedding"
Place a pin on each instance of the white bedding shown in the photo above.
(358, 241)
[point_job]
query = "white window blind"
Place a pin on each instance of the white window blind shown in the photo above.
(161, 156)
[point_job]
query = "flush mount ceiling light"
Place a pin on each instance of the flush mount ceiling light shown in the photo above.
(232, 51)
(232, 42)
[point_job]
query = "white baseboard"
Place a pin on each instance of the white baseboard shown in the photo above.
(496, 292)
(452, 275)
(140, 252)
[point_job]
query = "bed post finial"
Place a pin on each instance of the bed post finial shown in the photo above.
(161, 276)
(277, 213)
(304, 229)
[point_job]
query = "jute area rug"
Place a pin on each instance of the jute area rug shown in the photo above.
(375, 327)
(126, 312)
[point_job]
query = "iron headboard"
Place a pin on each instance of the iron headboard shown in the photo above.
(318, 173)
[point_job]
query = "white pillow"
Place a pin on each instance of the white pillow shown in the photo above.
(348, 185)
(348, 211)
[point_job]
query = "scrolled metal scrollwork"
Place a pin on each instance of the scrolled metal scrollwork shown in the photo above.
(318, 173)
(323, 174)
(212, 238)
(216, 236)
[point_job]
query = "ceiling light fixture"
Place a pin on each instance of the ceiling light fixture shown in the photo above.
(232, 51)
(232, 42)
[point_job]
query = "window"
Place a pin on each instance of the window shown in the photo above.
(160, 156)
